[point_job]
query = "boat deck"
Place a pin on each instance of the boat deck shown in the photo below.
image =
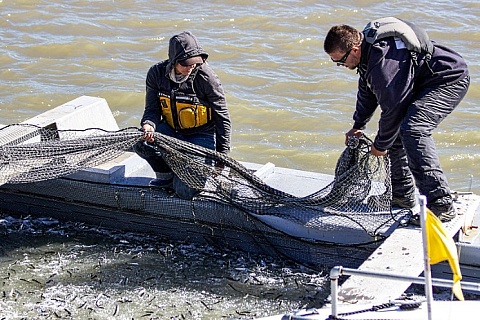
(441, 310)
(402, 253)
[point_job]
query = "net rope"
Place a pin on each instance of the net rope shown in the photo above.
(358, 197)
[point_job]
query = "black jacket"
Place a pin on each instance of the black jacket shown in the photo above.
(203, 82)
(389, 78)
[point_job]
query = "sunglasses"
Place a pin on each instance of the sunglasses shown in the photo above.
(186, 64)
(343, 59)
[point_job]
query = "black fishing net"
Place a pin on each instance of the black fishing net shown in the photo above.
(357, 198)
(29, 153)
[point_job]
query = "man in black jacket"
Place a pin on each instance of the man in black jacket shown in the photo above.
(417, 83)
(184, 99)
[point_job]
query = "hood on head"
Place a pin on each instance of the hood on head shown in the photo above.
(184, 46)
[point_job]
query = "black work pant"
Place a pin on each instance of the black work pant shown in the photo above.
(414, 159)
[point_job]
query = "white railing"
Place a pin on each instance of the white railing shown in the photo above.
(338, 271)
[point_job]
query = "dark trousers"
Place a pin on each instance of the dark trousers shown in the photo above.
(414, 159)
(153, 155)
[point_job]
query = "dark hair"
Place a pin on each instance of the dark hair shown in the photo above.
(341, 38)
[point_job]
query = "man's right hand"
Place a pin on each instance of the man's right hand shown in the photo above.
(148, 130)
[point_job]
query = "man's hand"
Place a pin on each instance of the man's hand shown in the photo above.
(353, 132)
(149, 130)
(378, 153)
(359, 133)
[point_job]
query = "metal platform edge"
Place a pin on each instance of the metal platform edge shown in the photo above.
(402, 253)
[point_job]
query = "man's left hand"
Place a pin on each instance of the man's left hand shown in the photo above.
(378, 153)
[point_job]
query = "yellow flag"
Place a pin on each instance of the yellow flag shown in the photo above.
(441, 247)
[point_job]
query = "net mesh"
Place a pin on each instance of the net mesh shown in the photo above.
(30, 154)
(359, 196)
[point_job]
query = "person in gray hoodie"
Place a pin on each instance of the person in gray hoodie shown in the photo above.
(417, 83)
(184, 99)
